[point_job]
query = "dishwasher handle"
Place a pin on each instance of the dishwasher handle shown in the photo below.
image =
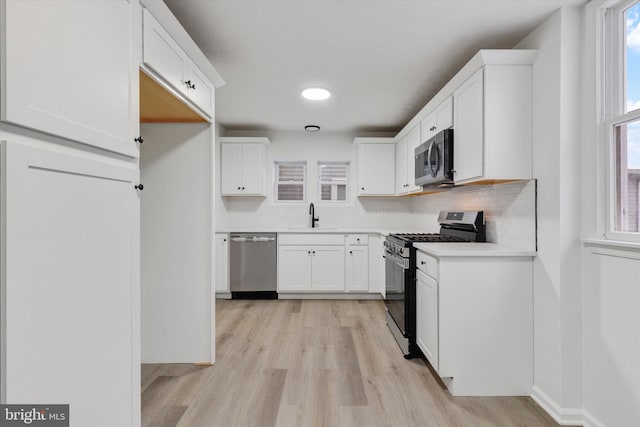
(252, 239)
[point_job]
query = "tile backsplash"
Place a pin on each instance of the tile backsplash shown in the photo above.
(509, 210)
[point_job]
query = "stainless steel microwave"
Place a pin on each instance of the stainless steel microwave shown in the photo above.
(434, 160)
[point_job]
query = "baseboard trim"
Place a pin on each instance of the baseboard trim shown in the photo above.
(590, 420)
(327, 295)
(563, 416)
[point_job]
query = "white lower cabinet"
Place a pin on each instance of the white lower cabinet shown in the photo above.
(222, 262)
(70, 297)
(294, 268)
(427, 317)
(356, 265)
(474, 322)
(311, 268)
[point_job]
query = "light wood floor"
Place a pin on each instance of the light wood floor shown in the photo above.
(314, 363)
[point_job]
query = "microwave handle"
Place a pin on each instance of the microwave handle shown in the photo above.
(433, 173)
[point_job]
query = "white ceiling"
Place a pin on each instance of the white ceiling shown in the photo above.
(381, 59)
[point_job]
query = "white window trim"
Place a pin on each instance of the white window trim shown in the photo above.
(276, 182)
(348, 184)
(609, 60)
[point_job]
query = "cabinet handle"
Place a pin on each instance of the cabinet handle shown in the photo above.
(139, 187)
(190, 85)
(351, 252)
(422, 263)
(139, 140)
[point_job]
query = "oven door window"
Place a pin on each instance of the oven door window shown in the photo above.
(395, 292)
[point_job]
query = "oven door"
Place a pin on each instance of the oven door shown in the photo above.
(395, 277)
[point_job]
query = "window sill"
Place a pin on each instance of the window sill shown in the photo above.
(615, 248)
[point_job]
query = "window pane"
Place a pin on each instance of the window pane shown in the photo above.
(289, 181)
(333, 178)
(289, 192)
(627, 176)
(632, 58)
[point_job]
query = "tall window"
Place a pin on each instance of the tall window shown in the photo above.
(333, 179)
(623, 124)
(290, 181)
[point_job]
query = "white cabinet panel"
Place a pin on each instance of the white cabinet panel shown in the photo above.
(402, 184)
(294, 268)
(166, 58)
(468, 147)
(242, 165)
(69, 71)
(427, 317)
(357, 268)
(222, 262)
(162, 54)
(327, 268)
(71, 303)
(413, 140)
(440, 119)
(376, 169)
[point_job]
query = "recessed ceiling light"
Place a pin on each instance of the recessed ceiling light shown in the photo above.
(316, 93)
(312, 128)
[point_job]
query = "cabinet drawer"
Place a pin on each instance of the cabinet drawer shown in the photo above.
(427, 264)
(310, 239)
(357, 239)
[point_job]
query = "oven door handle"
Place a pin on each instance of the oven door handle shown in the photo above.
(394, 258)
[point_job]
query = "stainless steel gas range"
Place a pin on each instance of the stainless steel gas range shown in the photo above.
(400, 274)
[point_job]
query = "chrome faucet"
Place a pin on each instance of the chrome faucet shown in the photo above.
(312, 212)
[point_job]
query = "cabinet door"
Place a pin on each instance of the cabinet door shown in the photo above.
(444, 115)
(201, 89)
(401, 167)
(85, 76)
(357, 268)
(294, 268)
(222, 262)
(413, 140)
(162, 54)
(231, 169)
(70, 291)
(427, 317)
(376, 169)
(468, 148)
(428, 126)
(327, 268)
(252, 170)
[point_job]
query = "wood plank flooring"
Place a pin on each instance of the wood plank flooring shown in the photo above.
(314, 363)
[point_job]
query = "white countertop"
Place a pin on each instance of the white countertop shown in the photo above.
(305, 230)
(472, 250)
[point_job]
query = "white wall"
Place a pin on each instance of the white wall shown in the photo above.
(557, 329)
(247, 212)
(509, 210)
(176, 236)
(610, 284)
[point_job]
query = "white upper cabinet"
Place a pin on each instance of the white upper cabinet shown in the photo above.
(242, 166)
(376, 166)
(163, 56)
(68, 70)
(402, 183)
(492, 125)
(413, 140)
(440, 119)
(468, 141)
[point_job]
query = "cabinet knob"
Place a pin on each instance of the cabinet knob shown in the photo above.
(351, 252)
(313, 252)
(139, 140)
(422, 263)
(362, 188)
(238, 188)
(242, 188)
(358, 240)
(309, 252)
(139, 187)
(224, 240)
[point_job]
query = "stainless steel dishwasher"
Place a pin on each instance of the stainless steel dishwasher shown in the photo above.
(253, 265)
